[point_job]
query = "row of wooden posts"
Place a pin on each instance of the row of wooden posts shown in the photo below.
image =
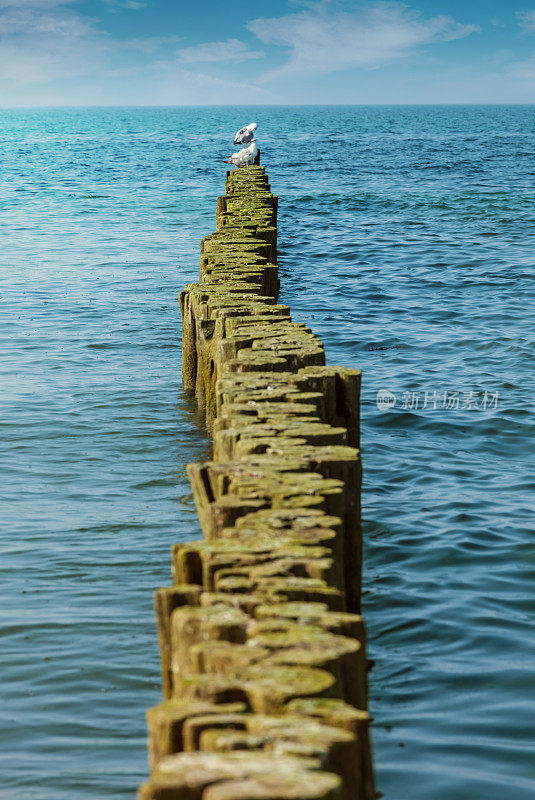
(262, 644)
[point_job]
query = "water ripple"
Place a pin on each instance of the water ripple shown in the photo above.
(409, 250)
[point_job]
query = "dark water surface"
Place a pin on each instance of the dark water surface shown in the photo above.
(408, 241)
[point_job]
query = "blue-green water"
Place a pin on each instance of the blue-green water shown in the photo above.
(408, 241)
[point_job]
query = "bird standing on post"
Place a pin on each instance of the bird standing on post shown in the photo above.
(246, 134)
(243, 157)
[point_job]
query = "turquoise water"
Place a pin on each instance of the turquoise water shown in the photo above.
(407, 238)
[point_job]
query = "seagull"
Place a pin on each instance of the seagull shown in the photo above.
(244, 156)
(245, 135)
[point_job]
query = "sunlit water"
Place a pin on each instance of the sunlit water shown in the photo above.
(407, 241)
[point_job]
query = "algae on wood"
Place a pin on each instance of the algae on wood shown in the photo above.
(263, 653)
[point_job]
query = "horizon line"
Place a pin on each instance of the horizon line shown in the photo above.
(258, 105)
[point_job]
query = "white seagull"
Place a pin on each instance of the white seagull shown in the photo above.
(245, 134)
(243, 157)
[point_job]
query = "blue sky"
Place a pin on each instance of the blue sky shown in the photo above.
(171, 52)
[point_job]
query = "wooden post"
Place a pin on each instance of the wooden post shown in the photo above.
(263, 654)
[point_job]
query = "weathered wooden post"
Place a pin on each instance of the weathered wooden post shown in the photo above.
(263, 651)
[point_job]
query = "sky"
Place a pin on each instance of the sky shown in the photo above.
(172, 52)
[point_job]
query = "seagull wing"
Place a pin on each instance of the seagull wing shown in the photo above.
(240, 157)
(243, 136)
(239, 134)
(243, 156)
(237, 158)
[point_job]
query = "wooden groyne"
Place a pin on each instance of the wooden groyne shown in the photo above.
(262, 644)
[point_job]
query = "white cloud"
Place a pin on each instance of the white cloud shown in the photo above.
(232, 51)
(42, 41)
(147, 44)
(526, 20)
(26, 22)
(168, 83)
(199, 79)
(130, 5)
(50, 53)
(321, 42)
(34, 3)
(524, 70)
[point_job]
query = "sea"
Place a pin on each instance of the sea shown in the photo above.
(407, 243)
